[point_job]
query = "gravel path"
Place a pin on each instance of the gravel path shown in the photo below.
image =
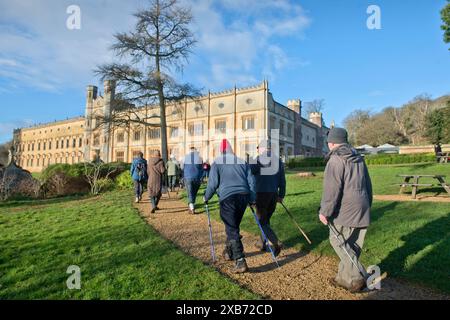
(301, 275)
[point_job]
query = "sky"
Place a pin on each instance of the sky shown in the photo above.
(306, 49)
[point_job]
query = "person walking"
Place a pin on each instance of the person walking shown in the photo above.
(155, 173)
(346, 203)
(270, 189)
(192, 173)
(172, 167)
(139, 175)
(206, 169)
(234, 183)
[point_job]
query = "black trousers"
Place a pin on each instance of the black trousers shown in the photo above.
(232, 210)
(266, 203)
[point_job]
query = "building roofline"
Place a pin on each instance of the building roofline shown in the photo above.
(56, 122)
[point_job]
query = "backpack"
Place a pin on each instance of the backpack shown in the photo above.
(141, 171)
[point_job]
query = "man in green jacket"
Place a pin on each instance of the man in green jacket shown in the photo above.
(173, 168)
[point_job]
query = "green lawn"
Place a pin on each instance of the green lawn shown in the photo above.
(409, 240)
(119, 255)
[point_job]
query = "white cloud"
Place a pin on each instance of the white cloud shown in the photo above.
(6, 128)
(235, 40)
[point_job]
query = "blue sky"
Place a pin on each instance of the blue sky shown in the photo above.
(307, 49)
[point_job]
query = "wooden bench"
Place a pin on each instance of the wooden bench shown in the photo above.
(415, 184)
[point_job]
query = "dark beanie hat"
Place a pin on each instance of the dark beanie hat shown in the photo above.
(337, 135)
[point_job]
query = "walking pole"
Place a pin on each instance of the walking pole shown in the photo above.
(295, 222)
(264, 236)
(345, 247)
(211, 241)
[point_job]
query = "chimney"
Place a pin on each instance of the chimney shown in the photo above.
(316, 118)
(295, 105)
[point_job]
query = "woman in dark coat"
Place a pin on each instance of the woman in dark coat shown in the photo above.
(155, 172)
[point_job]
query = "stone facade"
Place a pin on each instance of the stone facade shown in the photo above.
(242, 115)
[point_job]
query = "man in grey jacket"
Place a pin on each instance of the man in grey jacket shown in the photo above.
(346, 202)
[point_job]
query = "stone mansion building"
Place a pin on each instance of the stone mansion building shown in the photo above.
(243, 115)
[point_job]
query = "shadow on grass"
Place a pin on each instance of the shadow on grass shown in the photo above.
(424, 256)
(41, 202)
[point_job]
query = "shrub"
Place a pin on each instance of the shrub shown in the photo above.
(124, 180)
(302, 162)
(105, 184)
(381, 159)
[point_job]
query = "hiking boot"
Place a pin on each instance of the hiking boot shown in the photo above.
(260, 245)
(336, 284)
(227, 253)
(191, 211)
(153, 210)
(240, 266)
(357, 286)
(277, 249)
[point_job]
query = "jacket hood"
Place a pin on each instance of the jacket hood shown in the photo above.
(153, 161)
(139, 160)
(346, 152)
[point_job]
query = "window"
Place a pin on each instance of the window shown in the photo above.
(249, 148)
(29, 146)
(248, 123)
(32, 147)
(196, 129)
(37, 162)
(49, 145)
(154, 133)
(80, 142)
(281, 127)
(57, 144)
(67, 145)
(137, 135)
(120, 137)
(39, 146)
(221, 126)
(289, 130)
(174, 132)
(74, 143)
(120, 156)
(272, 123)
(96, 140)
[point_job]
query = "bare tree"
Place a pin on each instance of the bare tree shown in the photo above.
(94, 172)
(150, 55)
(316, 105)
(354, 122)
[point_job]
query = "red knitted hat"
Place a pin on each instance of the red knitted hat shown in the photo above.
(225, 146)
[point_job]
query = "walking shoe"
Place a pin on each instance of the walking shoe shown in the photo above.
(277, 249)
(227, 254)
(260, 245)
(137, 200)
(240, 266)
(336, 284)
(357, 286)
(153, 210)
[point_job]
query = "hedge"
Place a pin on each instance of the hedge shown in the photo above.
(378, 159)
(400, 158)
(301, 162)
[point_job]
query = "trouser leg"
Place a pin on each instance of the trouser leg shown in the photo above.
(153, 201)
(265, 207)
(231, 212)
(137, 188)
(192, 187)
(348, 273)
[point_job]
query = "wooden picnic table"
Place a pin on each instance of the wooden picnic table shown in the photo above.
(444, 157)
(415, 184)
